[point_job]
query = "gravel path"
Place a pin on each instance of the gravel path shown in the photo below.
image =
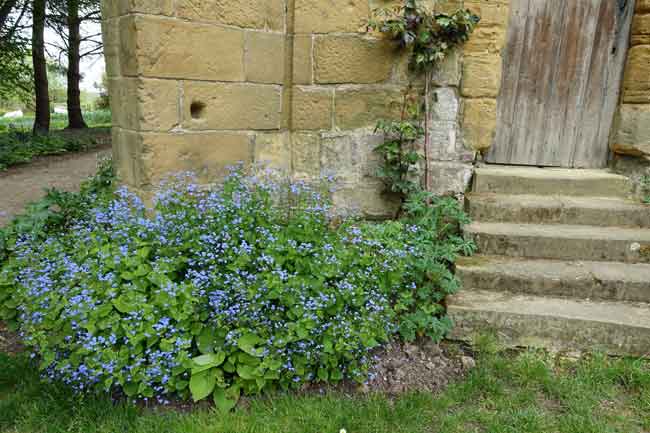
(25, 184)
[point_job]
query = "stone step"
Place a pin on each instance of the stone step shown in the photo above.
(535, 209)
(550, 181)
(563, 242)
(553, 323)
(580, 280)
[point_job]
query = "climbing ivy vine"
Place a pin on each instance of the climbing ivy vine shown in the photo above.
(429, 37)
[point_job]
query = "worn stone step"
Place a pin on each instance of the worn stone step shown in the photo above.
(557, 278)
(553, 323)
(535, 209)
(550, 181)
(563, 242)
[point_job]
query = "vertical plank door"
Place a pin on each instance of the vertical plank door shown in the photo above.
(562, 72)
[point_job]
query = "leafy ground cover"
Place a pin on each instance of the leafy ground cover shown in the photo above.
(506, 392)
(249, 286)
(19, 146)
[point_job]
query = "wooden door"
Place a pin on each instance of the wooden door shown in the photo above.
(562, 72)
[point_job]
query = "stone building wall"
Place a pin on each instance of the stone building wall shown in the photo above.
(194, 85)
(300, 84)
(633, 134)
(481, 75)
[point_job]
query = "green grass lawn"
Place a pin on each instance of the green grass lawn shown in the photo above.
(94, 119)
(527, 392)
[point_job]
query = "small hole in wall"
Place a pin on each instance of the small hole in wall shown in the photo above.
(197, 110)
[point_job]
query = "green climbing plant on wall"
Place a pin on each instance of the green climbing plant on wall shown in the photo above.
(429, 37)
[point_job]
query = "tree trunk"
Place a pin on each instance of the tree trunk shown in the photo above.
(75, 117)
(42, 121)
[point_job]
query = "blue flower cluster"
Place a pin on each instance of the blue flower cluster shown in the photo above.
(231, 289)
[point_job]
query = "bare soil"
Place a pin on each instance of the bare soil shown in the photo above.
(9, 341)
(426, 366)
(24, 184)
(401, 368)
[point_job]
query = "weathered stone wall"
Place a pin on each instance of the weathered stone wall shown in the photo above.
(300, 84)
(194, 85)
(346, 79)
(481, 78)
(633, 134)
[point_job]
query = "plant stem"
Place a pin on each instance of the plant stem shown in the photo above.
(427, 109)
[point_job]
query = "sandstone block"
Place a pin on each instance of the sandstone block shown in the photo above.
(444, 144)
(109, 9)
(486, 40)
(636, 96)
(350, 157)
(363, 107)
(167, 48)
(312, 108)
(637, 79)
(265, 57)
(364, 199)
(127, 156)
(318, 16)
(479, 122)
(206, 154)
(273, 150)
(641, 29)
(450, 177)
(448, 73)
(305, 155)
(351, 59)
(481, 76)
(111, 38)
(341, 157)
(302, 54)
(448, 6)
(145, 104)
(492, 13)
(445, 105)
(231, 106)
(153, 7)
(128, 34)
(633, 133)
(256, 14)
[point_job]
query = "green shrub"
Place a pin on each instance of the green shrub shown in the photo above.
(234, 289)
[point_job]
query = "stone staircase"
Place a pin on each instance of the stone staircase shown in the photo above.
(563, 262)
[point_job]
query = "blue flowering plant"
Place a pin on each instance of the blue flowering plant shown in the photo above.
(220, 291)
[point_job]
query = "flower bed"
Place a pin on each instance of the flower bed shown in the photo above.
(233, 289)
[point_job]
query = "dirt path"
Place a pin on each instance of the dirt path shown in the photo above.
(24, 184)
